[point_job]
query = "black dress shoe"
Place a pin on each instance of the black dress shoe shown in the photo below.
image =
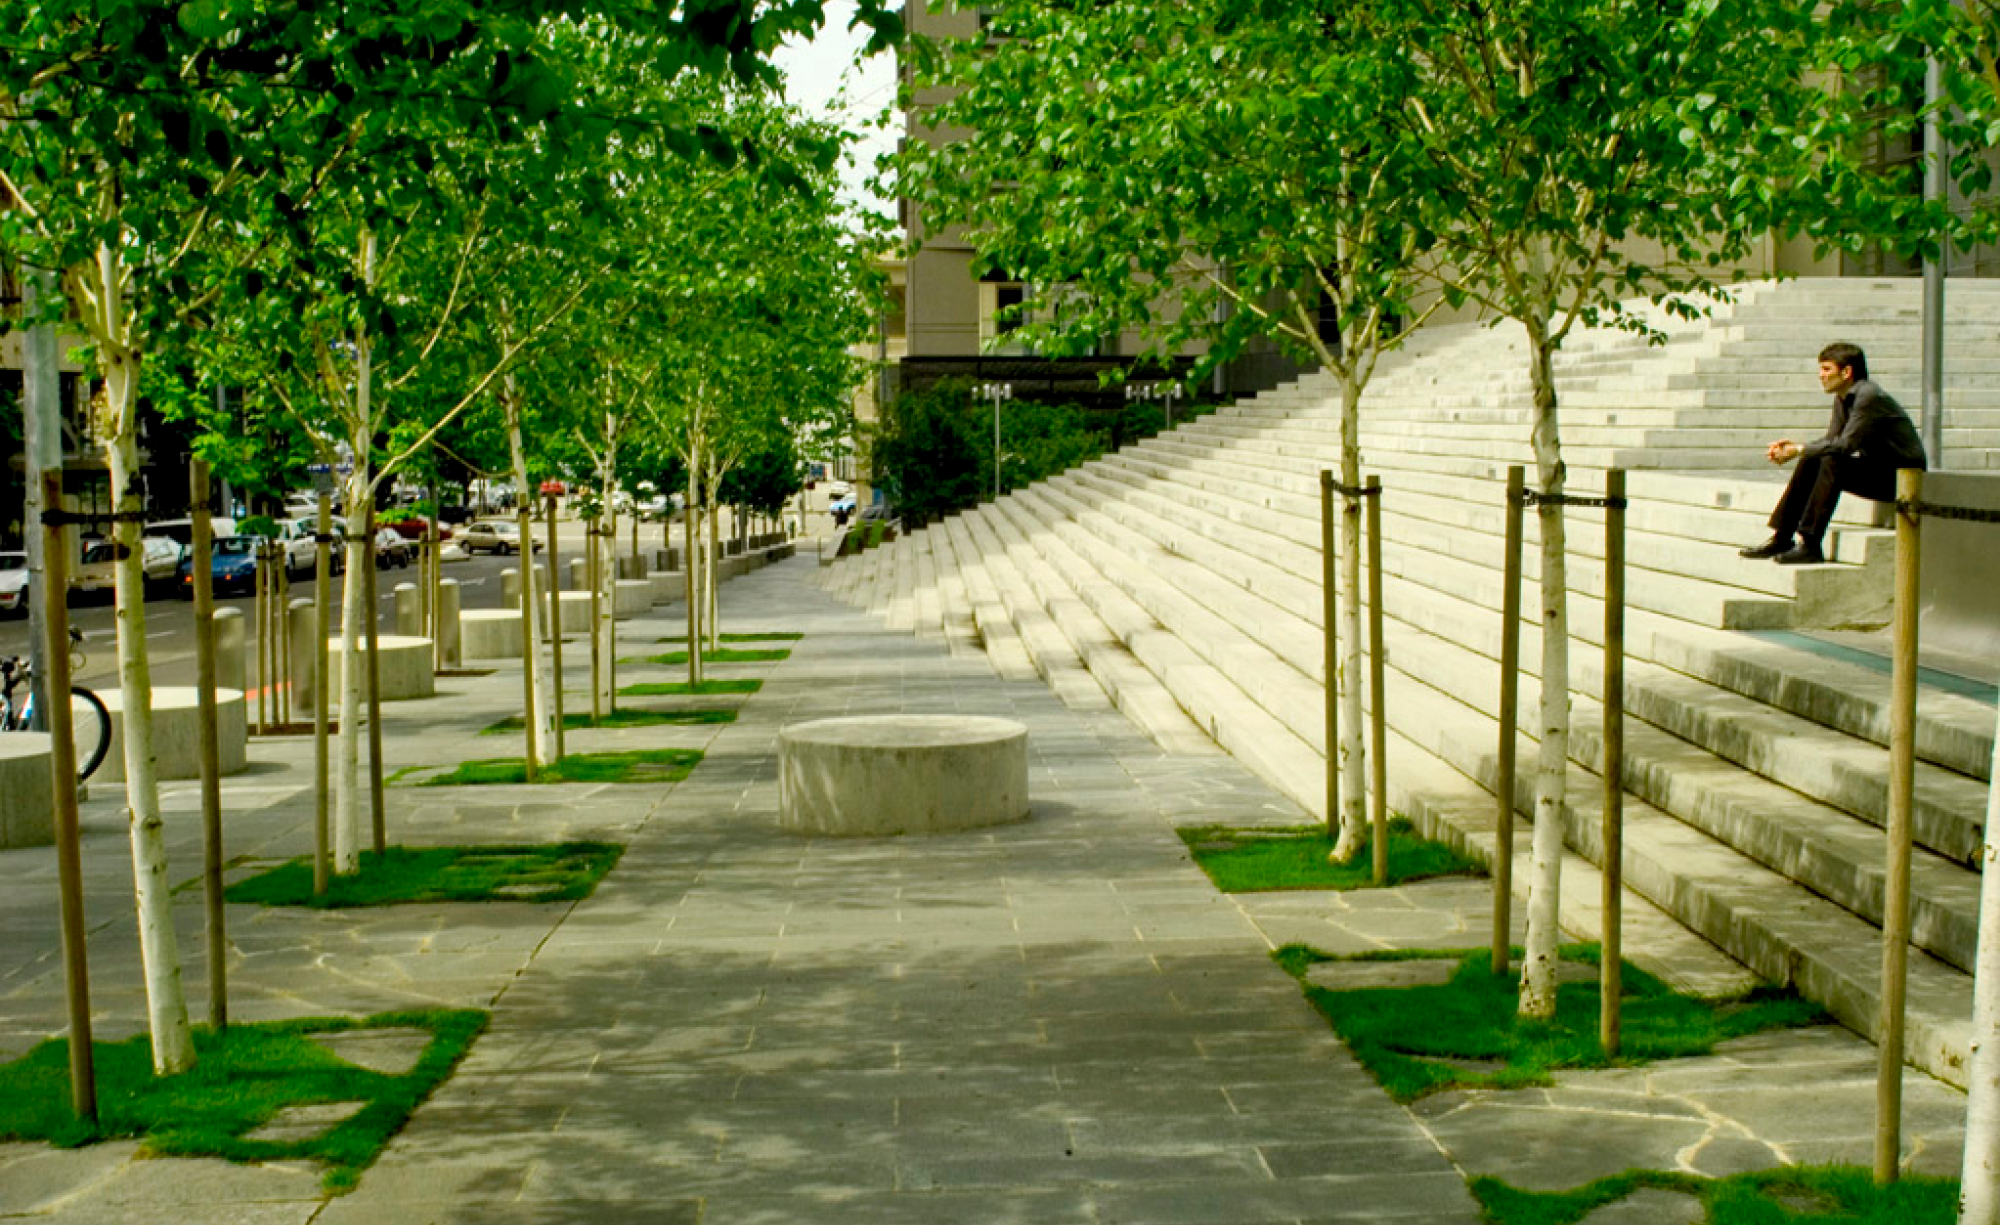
(1805, 554)
(1770, 548)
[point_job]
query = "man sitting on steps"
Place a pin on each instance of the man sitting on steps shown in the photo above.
(1868, 439)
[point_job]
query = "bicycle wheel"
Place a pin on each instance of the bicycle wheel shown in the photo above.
(90, 729)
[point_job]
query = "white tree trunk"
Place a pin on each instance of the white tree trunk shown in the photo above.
(159, 947)
(1979, 1178)
(542, 733)
(714, 567)
(1353, 756)
(691, 562)
(349, 786)
(1538, 968)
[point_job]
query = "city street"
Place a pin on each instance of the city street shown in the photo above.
(170, 620)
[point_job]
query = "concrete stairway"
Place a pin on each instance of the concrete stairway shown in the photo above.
(1179, 581)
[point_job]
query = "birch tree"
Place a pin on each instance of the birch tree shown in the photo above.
(1599, 150)
(1204, 176)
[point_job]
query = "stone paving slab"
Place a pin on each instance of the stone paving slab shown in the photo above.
(1055, 1021)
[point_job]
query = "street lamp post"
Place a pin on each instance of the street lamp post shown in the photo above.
(996, 392)
(1165, 393)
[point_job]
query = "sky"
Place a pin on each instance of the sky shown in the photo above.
(823, 79)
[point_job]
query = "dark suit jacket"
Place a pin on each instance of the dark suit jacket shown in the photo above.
(1870, 426)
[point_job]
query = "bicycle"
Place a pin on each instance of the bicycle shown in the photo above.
(90, 722)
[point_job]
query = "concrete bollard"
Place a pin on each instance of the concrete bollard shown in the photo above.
(301, 667)
(231, 656)
(409, 611)
(579, 574)
(448, 638)
(666, 559)
(631, 568)
(510, 588)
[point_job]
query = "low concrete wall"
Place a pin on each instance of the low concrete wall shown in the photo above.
(27, 814)
(667, 585)
(177, 733)
(631, 598)
(901, 774)
(1960, 597)
(405, 671)
(490, 633)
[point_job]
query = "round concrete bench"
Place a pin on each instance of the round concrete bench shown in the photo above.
(489, 633)
(901, 774)
(177, 733)
(405, 670)
(27, 818)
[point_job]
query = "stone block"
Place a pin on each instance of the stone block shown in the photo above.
(27, 815)
(631, 598)
(489, 633)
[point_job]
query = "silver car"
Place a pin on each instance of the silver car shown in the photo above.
(492, 536)
(97, 573)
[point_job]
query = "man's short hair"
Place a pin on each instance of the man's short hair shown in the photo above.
(1847, 357)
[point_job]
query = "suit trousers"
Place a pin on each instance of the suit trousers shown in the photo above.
(1816, 486)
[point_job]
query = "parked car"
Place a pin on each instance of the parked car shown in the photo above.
(232, 565)
(13, 582)
(417, 528)
(97, 572)
(493, 536)
(391, 550)
(181, 531)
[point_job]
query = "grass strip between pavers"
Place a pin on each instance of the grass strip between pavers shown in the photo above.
(1258, 860)
(241, 1079)
(768, 636)
(1837, 1195)
(557, 872)
(1468, 1033)
(631, 766)
(707, 688)
(581, 720)
(721, 655)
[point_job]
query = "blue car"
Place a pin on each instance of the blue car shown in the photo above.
(232, 565)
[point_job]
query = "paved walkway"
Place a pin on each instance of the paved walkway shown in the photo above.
(1055, 1021)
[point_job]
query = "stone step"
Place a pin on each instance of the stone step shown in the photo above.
(1234, 690)
(1840, 969)
(1453, 559)
(1133, 690)
(1670, 539)
(954, 606)
(1055, 660)
(997, 636)
(1766, 820)
(1760, 916)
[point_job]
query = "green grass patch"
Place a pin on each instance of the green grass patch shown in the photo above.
(1837, 1195)
(1467, 1033)
(559, 872)
(1250, 860)
(621, 718)
(634, 766)
(708, 688)
(242, 1078)
(720, 655)
(767, 636)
